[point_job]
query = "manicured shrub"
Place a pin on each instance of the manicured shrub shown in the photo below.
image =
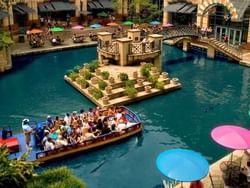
(68, 72)
(102, 84)
(77, 68)
(97, 93)
(145, 72)
(93, 65)
(86, 74)
(152, 79)
(129, 83)
(56, 178)
(83, 83)
(105, 75)
(123, 76)
(73, 76)
(159, 85)
(130, 91)
(148, 66)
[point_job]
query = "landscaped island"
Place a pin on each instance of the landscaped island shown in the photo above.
(109, 85)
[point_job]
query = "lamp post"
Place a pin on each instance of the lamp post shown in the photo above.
(228, 20)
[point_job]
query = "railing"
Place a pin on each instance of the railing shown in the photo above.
(139, 48)
(179, 31)
(111, 48)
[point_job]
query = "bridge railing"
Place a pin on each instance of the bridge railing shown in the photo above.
(180, 31)
(111, 48)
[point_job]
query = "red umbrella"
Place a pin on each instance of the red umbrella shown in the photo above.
(113, 24)
(35, 31)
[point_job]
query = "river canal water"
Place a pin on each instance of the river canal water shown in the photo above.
(213, 92)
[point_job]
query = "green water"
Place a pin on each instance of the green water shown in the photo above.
(213, 92)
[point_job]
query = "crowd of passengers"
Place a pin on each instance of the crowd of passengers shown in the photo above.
(76, 128)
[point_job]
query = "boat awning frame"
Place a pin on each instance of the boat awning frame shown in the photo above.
(23, 9)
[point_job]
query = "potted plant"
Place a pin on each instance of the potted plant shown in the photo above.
(93, 65)
(90, 89)
(152, 79)
(68, 72)
(105, 75)
(145, 72)
(154, 69)
(102, 85)
(97, 93)
(123, 76)
(83, 83)
(159, 85)
(131, 92)
(73, 76)
(129, 83)
(77, 68)
(86, 74)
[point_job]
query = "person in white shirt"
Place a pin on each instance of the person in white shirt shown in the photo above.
(27, 130)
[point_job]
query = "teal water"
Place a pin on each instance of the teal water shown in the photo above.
(213, 92)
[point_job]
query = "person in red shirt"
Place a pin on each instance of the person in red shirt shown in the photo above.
(196, 184)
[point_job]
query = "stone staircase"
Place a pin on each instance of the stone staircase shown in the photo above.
(222, 47)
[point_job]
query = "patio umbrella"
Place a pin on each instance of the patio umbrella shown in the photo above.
(95, 26)
(167, 25)
(56, 29)
(77, 27)
(231, 136)
(112, 24)
(128, 23)
(35, 31)
(182, 165)
(155, 22)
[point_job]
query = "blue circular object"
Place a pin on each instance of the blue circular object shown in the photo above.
(182, 165)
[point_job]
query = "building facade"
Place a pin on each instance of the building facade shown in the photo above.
(228, 18)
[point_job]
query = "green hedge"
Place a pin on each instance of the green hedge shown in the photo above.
(56, 178)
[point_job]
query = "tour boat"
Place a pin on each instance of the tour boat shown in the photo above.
(16, 143)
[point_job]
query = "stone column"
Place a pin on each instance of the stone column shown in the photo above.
(125, 7)
(165, 12)
(137, 7)
(123, 46)
(199, 20)
(248, 33)
(120, 7)
(205, 21)
(33, 15)
(5, 20)
(210, 52)
(186, 45)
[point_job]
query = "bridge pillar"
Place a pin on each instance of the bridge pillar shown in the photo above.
(248, 33)
(210, 52)
(124, 45)
(186, 45)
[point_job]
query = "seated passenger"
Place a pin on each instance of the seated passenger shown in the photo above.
(196, 184)
(49, 144)
(89, 135)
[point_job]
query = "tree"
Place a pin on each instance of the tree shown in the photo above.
(15, 173)
(5, 40)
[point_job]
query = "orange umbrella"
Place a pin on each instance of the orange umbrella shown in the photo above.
(35, 31)
(113, 24)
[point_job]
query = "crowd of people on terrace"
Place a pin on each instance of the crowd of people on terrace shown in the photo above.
(75, 128)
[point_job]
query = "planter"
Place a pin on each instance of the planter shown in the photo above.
(154, 69)
(140, 82)
(84, 86)
(90, 89)
(105, 100)
(175, 81)
(86, 66)
(147, 89)
(108, 89)
(94, 80)
(98, 72)
(135, 74)
(167, 81)
(164, 75)
(156, 74)
(111, 80)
